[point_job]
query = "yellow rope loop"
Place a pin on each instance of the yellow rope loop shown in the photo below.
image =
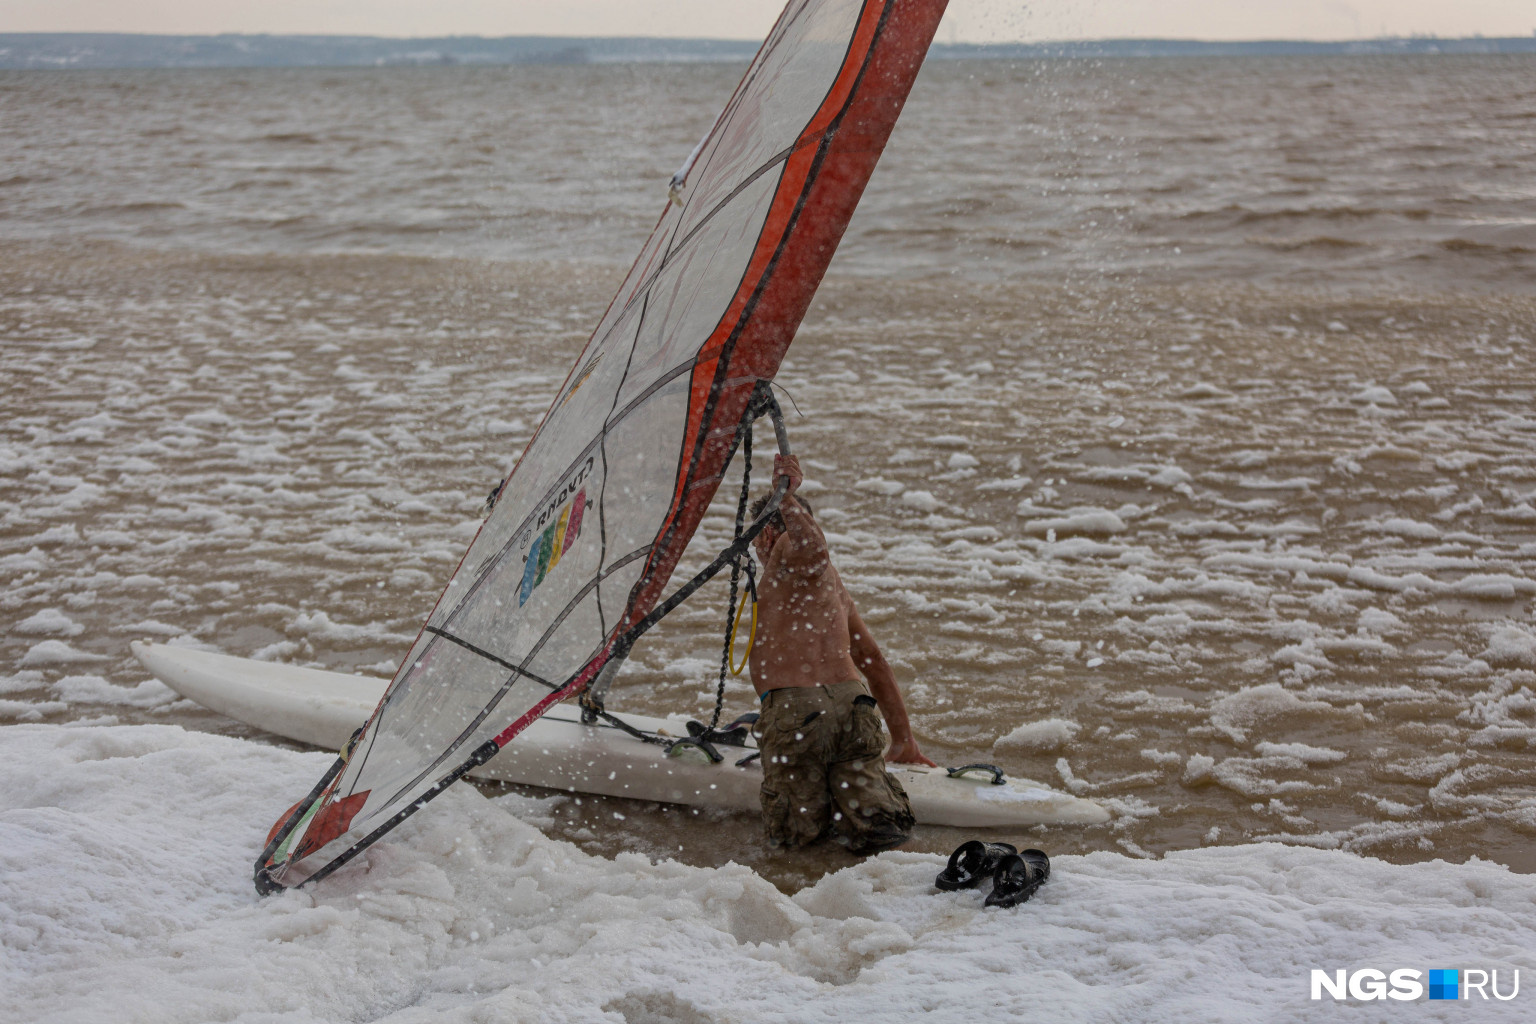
(736, 669)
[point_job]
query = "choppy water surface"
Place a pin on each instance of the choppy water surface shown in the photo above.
(1368, 169)
(1172, 420)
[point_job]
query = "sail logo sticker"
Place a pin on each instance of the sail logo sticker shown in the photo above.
(550, 545)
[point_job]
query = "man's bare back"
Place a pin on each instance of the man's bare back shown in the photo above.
(809, 631)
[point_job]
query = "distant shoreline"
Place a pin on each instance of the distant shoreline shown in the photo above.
(39, 50)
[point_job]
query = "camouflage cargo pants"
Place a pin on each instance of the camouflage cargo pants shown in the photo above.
(824, 770)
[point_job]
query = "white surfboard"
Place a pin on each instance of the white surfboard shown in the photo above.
(558, 752)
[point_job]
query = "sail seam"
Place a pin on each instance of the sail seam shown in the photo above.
(504, 663)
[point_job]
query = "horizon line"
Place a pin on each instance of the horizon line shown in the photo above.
(1411, 37)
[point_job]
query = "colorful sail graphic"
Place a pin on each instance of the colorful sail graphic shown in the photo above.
(597, 512)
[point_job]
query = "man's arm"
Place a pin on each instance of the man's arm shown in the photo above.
(804, 546)
(882, 686)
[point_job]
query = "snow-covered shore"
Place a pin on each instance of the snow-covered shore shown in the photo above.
(125, 856)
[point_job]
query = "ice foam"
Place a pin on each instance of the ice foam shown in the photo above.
(467, 913)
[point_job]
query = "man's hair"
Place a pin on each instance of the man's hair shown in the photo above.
(777, 520)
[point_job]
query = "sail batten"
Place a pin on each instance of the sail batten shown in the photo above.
(581, 543)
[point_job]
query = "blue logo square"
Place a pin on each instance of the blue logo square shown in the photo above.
(1444, 985)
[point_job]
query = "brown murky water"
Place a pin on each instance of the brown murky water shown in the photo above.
(1220, 510)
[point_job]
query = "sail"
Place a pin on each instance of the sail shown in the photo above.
(596, 513)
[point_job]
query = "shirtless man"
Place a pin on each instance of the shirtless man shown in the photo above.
(819, 729)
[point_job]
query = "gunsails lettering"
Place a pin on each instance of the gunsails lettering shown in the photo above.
(554, 531)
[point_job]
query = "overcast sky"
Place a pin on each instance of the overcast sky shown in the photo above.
(967, 20)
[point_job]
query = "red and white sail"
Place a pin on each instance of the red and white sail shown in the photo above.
(598, 510)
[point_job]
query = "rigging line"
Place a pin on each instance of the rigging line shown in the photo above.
(790, 396)
(602, 532)
(744, 432)
(669, 522)
(751, 595)
(615, 722)
(620, 647)
(627, 639)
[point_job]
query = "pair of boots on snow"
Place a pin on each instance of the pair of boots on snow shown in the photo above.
(1015, 876)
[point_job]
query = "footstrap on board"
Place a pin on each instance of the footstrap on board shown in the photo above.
(998, 778)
